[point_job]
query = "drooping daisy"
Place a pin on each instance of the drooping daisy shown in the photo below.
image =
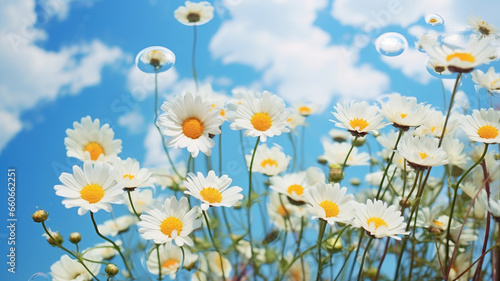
(174, 222)
(212, 190)
(483, 126)
(330, 203)
(465, 60)
(188, 121)
(114, 226)
(142, 199)
(260, 115)
(335, 154)
(194, 13)
(403, 112)
(482, 27)
(91, 189)
(422, 152)
(268, 161)
(68, 269)
(133, 175)
(170, 260)
(489, 80)
(292, 185)
(215, 265)
(358, 118)
(380, 220)
(89, 141)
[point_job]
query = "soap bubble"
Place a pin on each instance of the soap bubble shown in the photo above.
(391, 44)
(434, 20)
(155, 59)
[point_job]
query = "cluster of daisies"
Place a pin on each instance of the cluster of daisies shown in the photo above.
(404, 203)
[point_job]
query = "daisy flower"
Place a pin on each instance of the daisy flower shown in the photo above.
(339, 135)
(461, 263)
(330, 203)
(489, 80)
(482, 27)
(434, 123)
(422, 152)
(90, 189)
(268, 161)
(170, 260)
(483, 126)
(157, 58)
(260, 115)
(166, 177)
(142, 199)
(89, 141)
(299, 271)
(243, 246)
(306, 109)
(282, 214)
(215, 265)
(194, 13)
(402, 111)
(69, 269)
(212, 190)
(114, 226)
(461, 60)
(132, 174)
(380, 220)
(335, 154)
(454, 149)
(358, 118)
(175, 221)
(292, 185)
(296, 120)
(104, 250)
(189, 122)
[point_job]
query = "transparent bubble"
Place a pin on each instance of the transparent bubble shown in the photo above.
(155, 59)
(434, 20)
(391, 44)
(43, 277)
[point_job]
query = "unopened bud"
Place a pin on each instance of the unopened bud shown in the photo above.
(111, 269)
(322, 160)
(435, 231)
(336, 174)
(75, 237)
(405, 203)
(40, 216)
(359, 142)
(56, 238)
(355, 181)
(333, 245)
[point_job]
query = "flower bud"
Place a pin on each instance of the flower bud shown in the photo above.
(333, 245)
(111, 269)
(355, 181)
(336, 174)
(40, 216)
(359, 142)
(75, 237)
(56, 238)
(322, 160)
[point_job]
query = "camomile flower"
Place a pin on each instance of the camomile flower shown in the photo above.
(212, 190)
(174, 222)
(306, 109)
(482, 27)
(142, 199)
(299, 271)
(104, 250)
(380, 220)
(358, 118)
(243, 246)
(335, 154)
(268, 161)
(455, 152)
(89, 141)
(483, 126)
(339, 135)
(330, 203)
(132, 174)
(434, 123)
(464, 60)
(166, 177)
(260, 115)
(189, 122)
(422, 152)
(461, 263)
(296, 120)
(215, 265)
(170, 260)
(91, 189)
(489, 80)
(114, 226)
(403, 112)
(284, 216)
(194, 13)
(67, 269)
(292, 185)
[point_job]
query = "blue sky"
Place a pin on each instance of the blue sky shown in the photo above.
(63, 60)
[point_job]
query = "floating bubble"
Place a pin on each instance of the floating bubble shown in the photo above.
(43, 277)
(434, 20)
(155, 59)
(391, 44)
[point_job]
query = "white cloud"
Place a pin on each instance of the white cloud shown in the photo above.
(31, 74)
(294, 55)
(133, 121)
(142, 85)
(412, 63)
(155, 154)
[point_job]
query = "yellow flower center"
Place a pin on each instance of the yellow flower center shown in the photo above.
(299, 189)
(493, 84)
(170, 224)
(92, 193)
(438, 223)
(433, 20)
(269, 162)
(461, 56)
(129, 176)
(433, 129)
(304, 110)
(211, 195)
(359, 124)
(331, 209)
(261, 121)
(377, 221)
(170, 263)
(403, 115)
(94, 149)
(192, 128)
(423, 155)
(487, 132)
(282, 211)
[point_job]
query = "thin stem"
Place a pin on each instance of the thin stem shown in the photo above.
(159, 262)
(360, 274)
(356, 254)
(249, 204)
(193, 63)
(294, 149)
(383, 258)
(110, 241)
(343, 266)
(472, 264)
(389, 163)
(349, 153)
(322, 227)
(449, 109)
(132, 204)
(215, 245)
(220, 153)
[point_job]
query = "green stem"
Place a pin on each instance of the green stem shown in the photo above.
(356, 254)
(389, 163)
(132, 204)
(193, 63)
(449, 108)
(294, 149)
(215, 245)
(360, 274)
(249, 204)
(220, 153)
(113, 243)
(159, 262)
(343, 266)
(322, 227)
(348, 154)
